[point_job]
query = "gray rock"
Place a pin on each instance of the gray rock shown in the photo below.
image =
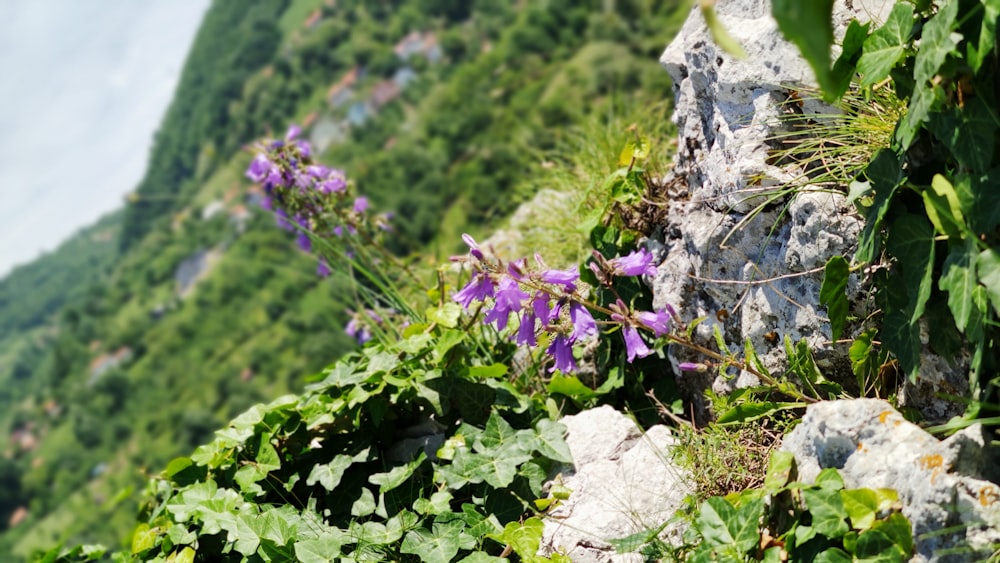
(940, 483)
(623, 482)
(739, 240)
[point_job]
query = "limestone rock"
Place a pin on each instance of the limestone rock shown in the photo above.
(740, 248)
(623, 482)
(940, 483)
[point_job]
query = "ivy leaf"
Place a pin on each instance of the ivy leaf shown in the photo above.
(911, 241)
(550, 442)
(375, 533)
(833, 293)
(324, 549)
(497, 436)
(886, 175)
(987, 36)
(143, 538)
(827, 511)
(481, 557)
(476, 468)
(968, 132)
(833, 555)
(936, 43)
(886, 45)
(850, 53)
(446, 315)
(988, 264)
(437, 546)
(397, 475)
(329, 474)
(524, 539)
(439, 503)
(959, 280)
(809, 26)
(897, 528)
(861, 506)
(571, 387)
(720, 524)
(876, 547)
(780, 467)
(365, 504)
(903, 339)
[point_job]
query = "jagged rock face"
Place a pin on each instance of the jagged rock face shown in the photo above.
(623, 482)
(740, 248)
(941, 485)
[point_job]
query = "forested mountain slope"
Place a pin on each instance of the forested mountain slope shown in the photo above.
(136, 340)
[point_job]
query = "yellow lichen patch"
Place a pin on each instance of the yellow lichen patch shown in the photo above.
(988, 495)
(931, 461)
(885, 415)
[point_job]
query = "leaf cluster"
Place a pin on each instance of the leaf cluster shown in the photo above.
(403, 452)
(929, 199)
(785, 520)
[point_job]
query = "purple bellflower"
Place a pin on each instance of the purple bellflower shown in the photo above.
(636, 263)
(565, 278)
(478, 289)
(322, 268)
(583, 322)
(562, 350)
(526, 332)
(659, 321)
(508, 299)
(635, 347)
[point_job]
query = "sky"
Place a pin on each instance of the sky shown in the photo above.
(85, 85)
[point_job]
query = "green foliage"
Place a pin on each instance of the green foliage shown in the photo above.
(787, 520)
(925, 197)
(352, 466)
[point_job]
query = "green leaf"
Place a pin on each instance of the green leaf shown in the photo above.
(829, 479)
(958, 278)
(827, 511)
(833, 293)
(903, 339)
(397, 475)
(550, 442)
(936, 43)
(719, 33)
(779, 472)
(809, 26)
(144, 538)
(491, 371)
(448, 340)
(365, 504)
(324, 549)
(439, 503)
(886, 45)
(446, 315)
(897, 528)
(987, 35)
(861, 506)
(886, 175)
(524, 539)
(382, 362)
(571, 387)
(748, 411)
(437, 546)
(476, 468)
(185, 555)
(969, 133)
(875, 547)
(833, 555)
(988, 265)
(482, 557)
(846, 64)
(911, 242)
(329, 474)
(720, 524)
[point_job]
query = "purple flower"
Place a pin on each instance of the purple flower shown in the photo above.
(565, 278)
(360, 204)
(634, 345)
(526, 332)
(322, 268)
(691, 366)
(562, 350)
(583, 322)
(473, 246)
(305, 148)
(334, 183)
(478, 289)
(637, 263)
(508, 299)
(281, 218)
(659, 322)
(293, 132)
(540, 305)
(358, 331)
(259, 168)
(303, 241)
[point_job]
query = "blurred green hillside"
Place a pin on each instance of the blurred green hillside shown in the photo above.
(138, 338)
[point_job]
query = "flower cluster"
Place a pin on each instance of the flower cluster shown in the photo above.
(552, 301)
(306, 197)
